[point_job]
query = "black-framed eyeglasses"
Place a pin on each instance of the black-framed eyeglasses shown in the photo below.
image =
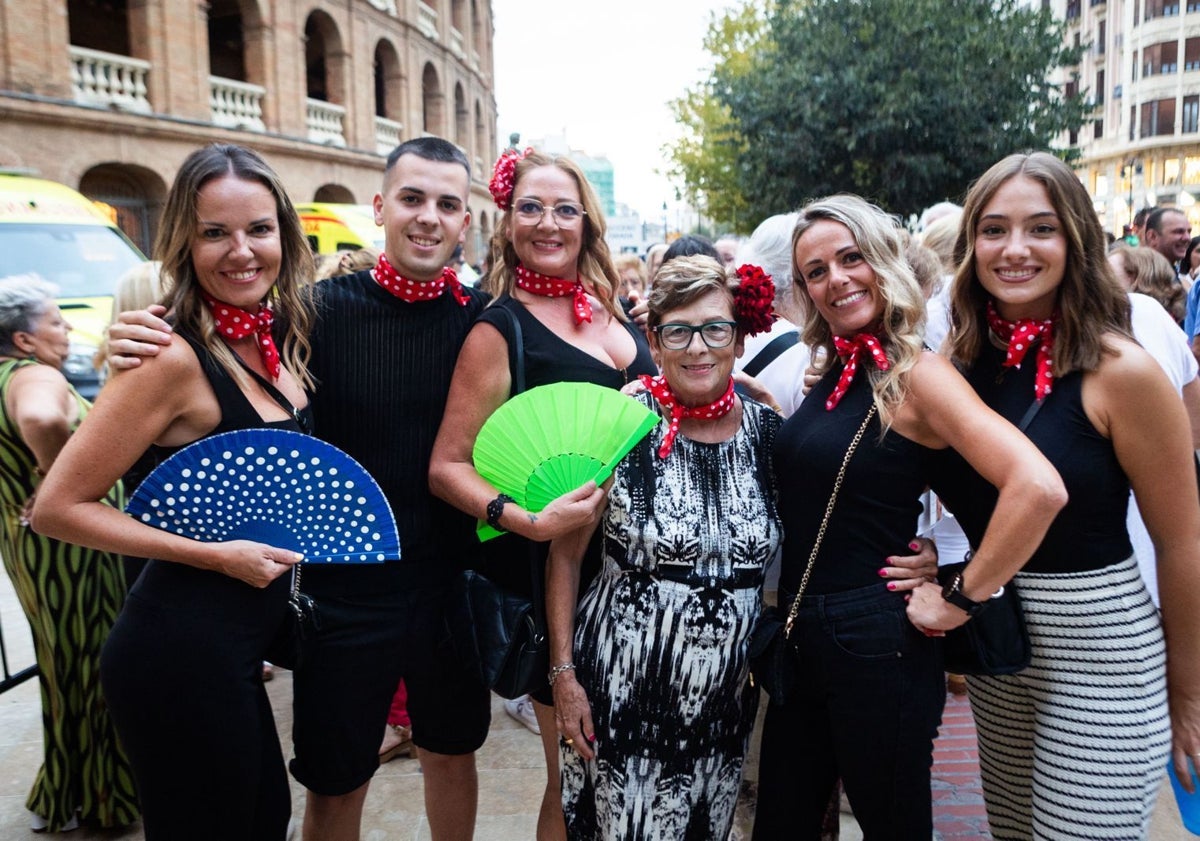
(566, 214)
(715, 334)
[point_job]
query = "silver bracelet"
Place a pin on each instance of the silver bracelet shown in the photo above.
(554, 673)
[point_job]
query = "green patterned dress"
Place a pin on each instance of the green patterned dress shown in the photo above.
(71, 597)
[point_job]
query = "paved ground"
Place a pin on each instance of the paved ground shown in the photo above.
(511, 771)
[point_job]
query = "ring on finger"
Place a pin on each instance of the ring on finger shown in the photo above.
(568, 742)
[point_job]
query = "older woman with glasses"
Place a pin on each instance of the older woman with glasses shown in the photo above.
(554, 277)
(650, 677)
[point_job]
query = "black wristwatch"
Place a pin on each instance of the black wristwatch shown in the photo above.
(953, 593)
(495, 508)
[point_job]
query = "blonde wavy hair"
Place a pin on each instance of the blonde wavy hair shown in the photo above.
(902, 323)
(289, 296)
(595, 260)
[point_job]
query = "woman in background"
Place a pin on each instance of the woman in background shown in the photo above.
(70, 595)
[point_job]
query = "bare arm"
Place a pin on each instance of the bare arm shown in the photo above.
(573, 712)
(944, 410)
(481, 383)
(159, 402)
(40, 403)
(1131, 400)
(1191, 402)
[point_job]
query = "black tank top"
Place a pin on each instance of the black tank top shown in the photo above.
(879, 503)
(236, 413)
(1089, 533)
(549, 359)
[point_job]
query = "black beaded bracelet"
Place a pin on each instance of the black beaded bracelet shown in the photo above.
(495, 508)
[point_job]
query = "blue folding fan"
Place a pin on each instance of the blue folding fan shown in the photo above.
(275, 487)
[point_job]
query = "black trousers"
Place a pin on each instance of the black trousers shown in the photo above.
(867, 710)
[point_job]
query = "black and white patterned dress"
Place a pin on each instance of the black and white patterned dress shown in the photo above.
(662, 632)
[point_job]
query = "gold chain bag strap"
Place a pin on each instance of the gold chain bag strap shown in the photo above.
(837, 486)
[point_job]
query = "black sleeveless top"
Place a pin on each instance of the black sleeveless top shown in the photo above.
(236, 413)
(879, 503)
(549, 359)
(208, 593)
(1089, 533)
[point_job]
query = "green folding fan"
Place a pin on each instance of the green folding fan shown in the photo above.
(552, 439)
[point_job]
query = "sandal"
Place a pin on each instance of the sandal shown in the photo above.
(404, 746)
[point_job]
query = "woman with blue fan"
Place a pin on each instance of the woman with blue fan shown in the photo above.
(70, 594)
(555, 284)
(182, 667)
(649, 675)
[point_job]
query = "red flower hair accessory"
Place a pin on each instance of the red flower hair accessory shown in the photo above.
(754, 300)
(504, 176)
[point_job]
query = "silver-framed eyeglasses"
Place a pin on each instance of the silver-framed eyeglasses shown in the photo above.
(566, 214)
(715, 334)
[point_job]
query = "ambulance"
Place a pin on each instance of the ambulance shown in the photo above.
(50, 230)
(331, 228)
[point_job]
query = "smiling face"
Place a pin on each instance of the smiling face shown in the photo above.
(48, 338)
(546, 247)
(837, 278)
(236, 248)
(1172, 237)
(697, 373)
(423, 211)
(1020, 250)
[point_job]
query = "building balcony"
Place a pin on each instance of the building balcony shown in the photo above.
(325, 122)
(456, 44)
(427, 23)
(105, 79)
(387, 135)
(236, 104)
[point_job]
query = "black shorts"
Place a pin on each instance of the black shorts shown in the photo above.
(343, 689)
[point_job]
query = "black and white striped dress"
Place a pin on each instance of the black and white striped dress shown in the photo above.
(661, 637)
(1074, 746)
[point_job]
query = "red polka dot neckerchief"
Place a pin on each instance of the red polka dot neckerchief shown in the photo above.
(851, 351)
(556, 287)
(661, 390)
(1020, 336)
(235, 323)
(418, 290)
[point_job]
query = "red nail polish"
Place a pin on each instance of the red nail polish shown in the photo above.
(592, 738)
(883, 572)
(914, 546)
(891, 585)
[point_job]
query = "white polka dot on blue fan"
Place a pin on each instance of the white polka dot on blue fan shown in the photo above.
(275, 487)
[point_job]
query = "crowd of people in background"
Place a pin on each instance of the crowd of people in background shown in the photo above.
(830, 384)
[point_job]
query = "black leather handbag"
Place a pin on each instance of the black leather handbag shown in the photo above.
(994, 641)
(498, 634)
(501, 636)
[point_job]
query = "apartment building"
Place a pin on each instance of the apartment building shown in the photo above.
(109, 96)
(1141, 69)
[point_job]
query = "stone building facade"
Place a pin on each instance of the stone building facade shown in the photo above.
(109, 96)
(1141, 70)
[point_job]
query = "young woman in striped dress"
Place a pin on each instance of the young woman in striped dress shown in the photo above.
(1075, 745)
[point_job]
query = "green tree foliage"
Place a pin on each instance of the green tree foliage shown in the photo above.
(902, 101)
(705, 160)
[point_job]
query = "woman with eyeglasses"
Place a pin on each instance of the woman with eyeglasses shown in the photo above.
(554, 276)
(651, 675)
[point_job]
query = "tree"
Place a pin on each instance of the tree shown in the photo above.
(901, 101)
(706, 158)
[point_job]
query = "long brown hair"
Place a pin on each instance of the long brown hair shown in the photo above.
(1090, 299)
(595, 259)
(289, 296)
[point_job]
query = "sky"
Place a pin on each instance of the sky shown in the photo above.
(601, 73)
